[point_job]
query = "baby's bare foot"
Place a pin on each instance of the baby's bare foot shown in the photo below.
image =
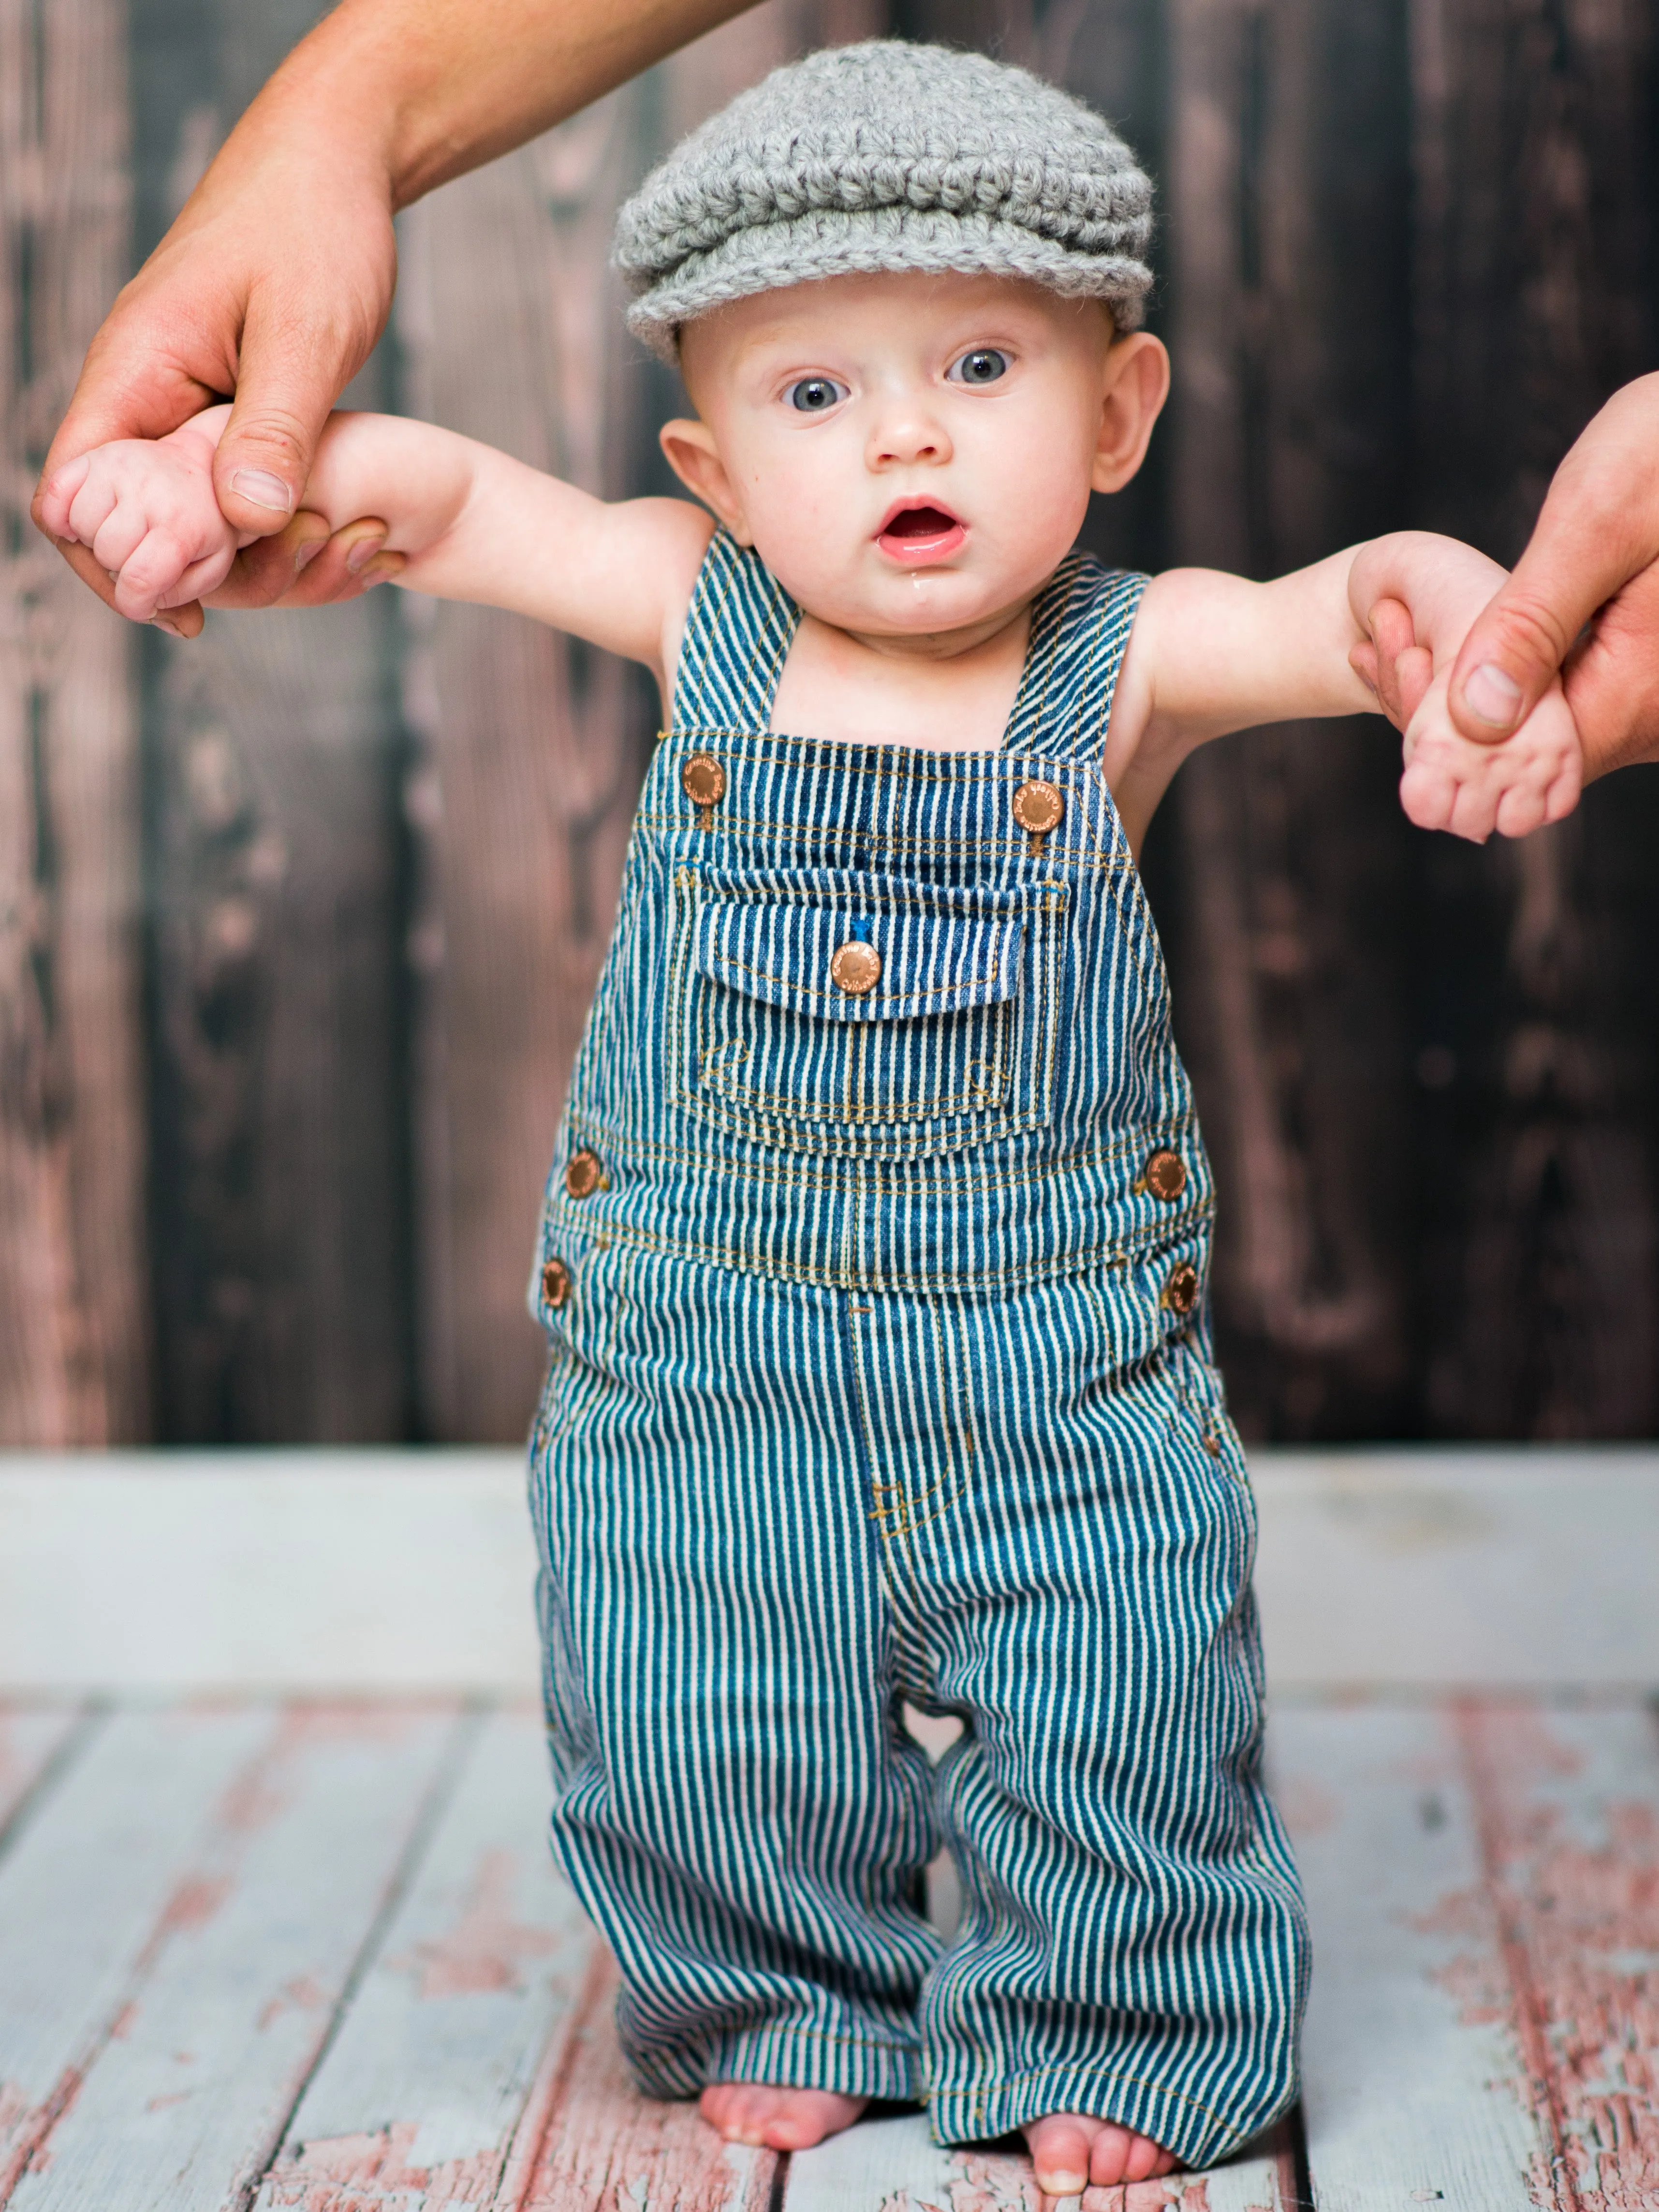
(781, 2119)
(1072, 2151)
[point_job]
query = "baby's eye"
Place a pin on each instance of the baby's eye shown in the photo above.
(983, 366)
(815, 395)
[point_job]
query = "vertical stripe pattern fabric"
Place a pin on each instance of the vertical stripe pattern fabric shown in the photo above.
(879, 1371)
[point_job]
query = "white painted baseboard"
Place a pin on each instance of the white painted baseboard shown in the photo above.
(294, 1570)
(401, 1570)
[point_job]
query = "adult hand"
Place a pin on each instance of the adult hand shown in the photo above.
(275, 283)
(1583, 597)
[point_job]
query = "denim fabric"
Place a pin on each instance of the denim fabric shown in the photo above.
(874, 1382)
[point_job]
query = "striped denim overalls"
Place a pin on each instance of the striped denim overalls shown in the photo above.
(872, 1266)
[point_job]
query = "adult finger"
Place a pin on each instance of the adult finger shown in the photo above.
(1398, 669)
(304, 567)
(179, 621)
(297, 355)
(267, 567)
(1612, 679)
(345, 571)
(1599, 528)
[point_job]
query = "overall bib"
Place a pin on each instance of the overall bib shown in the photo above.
(872, 1265)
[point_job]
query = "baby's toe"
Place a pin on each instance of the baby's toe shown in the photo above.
(720, 2104)
(1119, 2156)
(1146, 2161)
(760, 2112)
(1060, 2147)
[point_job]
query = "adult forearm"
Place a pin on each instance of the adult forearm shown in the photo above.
(419, 91)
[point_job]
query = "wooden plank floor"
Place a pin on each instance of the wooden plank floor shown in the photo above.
(261, 1954)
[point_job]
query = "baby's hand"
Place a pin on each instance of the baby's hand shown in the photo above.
(1533, 777)
(148, 515)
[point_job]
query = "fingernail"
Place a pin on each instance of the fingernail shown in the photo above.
(260, 489)
(306, 554)
(1492, 695)
(383, 568)
(362, 553)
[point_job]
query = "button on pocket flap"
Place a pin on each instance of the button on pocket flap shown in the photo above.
(842, 965)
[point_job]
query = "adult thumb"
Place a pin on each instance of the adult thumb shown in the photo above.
(283, 395)
(1598, 528)
(1513, 649)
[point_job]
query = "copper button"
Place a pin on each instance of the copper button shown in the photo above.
(583, 1173)
(703, 779)
(1038, 808)
(1165, 1176)
(556, 1282)
(1181, 1291)
(856, 967)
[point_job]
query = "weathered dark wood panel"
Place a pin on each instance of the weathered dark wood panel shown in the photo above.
(73, 1308)
(280, 1187)
(383, 844)
(1537, 293)
(1287, 191)
(530, 749)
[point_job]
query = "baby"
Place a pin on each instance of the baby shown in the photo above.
(873, 1261)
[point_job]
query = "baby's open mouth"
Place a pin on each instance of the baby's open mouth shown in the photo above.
(920, 532)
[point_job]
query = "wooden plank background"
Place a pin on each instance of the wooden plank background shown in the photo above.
(298, 924)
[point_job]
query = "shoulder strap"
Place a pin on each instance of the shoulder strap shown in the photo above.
(1079, 628)
(738, 630)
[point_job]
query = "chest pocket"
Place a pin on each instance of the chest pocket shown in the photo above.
(840, 1015)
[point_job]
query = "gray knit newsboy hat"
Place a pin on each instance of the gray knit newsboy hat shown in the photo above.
(886, 156)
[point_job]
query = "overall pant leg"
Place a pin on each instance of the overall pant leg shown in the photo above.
(1075, 1539)
(734, 1800)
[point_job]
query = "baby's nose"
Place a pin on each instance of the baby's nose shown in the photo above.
(907, 438)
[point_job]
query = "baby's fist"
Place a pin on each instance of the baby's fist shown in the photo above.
(147, 515)
(1533, 777)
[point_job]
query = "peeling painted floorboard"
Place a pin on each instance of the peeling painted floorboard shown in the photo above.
(1482, 1884)
(235, 1947)
(430, 2085)
(893, 2165)
(313, 1957)
(88, 1890)
(33, 1739)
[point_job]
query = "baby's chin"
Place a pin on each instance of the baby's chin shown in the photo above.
(882, 599)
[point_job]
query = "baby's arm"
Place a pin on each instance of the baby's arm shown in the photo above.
(473, 523)
(1210, 653)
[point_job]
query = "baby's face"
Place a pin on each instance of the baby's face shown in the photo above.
(912, 455)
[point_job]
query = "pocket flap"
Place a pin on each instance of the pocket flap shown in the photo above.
(932, 961)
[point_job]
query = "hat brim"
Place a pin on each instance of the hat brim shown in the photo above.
(873, 241)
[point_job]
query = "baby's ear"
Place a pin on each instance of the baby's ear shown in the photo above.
(1136, 384)
(690, 450)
